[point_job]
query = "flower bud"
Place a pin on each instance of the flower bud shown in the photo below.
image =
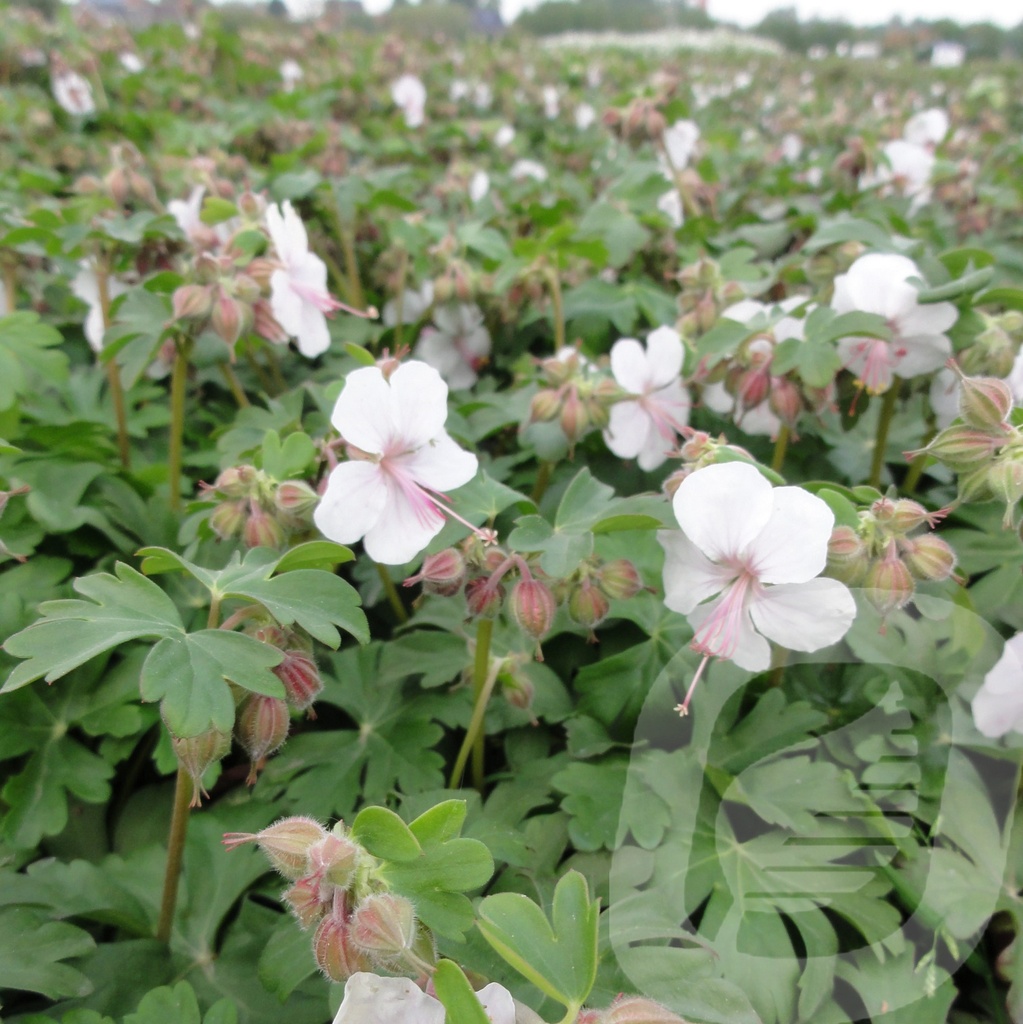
(228, 519)
(301, 678)
(1005, 479)
(308, 900)
(442, 574)
(785, 401)
(228, 319)
(334, 859)
(262, 728)
(384, 924)
(587, 605)
(192, 302)
(907, 515)
(619, 579)
(962, 447)
(335, 952)
(575, 420)
(889, 584)
(546, 404)
(984, 402)
(261, 530)
(295, 498)
(265, 324)
(517, 689)
(117, 185)
(532, 607)
(848, 559)
(236, 481)
(928, 557)
(196, 753)
(639, 1010)
(286, 843)
(483, 599)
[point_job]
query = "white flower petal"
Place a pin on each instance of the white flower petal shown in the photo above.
(352, 503)
(419, 403)
(498, 1003)
(793, 546)
(440, 465)
(663, 356)
(998, 706)
(371, 999)
(407, 523)
(932, 318)
(751, 652)
(629, 365)
(363, 415)
(723, 508)
(689, 576)
(628, 429)
(921, 354)
(804, 616)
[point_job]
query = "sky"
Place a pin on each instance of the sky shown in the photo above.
(1006, 13)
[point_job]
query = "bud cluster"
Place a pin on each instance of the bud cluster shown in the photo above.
(261, 511)
(357, 923)
(994, 350)
(532, 600)
(705, 293)
(881, 554)
(982, 447)
(575, 395)
(699, 449)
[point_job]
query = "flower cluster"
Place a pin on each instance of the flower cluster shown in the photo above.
(575, 395)
(263, 512)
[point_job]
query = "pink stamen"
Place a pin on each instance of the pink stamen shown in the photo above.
(326, 303)
(876, 375)
(719, 635)
(683, 708)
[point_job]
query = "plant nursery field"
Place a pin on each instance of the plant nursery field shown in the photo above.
(505, 533)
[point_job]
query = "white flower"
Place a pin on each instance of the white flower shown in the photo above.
(482, 96)
(131, 62)
(522, 169)
(791, 147)
(927, 128)
(371, 999)
(645, 426)
(74, 93)
(670, 204)
(998, 706)
(680, 142)
(479, 185)
(85, 286)
(291, 74)
(948, 55)
(744, 567)
(585, 116)
(298, 289)
(409, 93)
(879, 283)
(504, 136)
(458, 90)
(388, 494)
(550, 102)
(456, 344)
(413, 305)
(907, 167)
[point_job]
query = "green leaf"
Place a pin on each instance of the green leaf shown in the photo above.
(119, 608)
(286, 960)
(385, 835)
(971, 282)
(162, 1005)
(216, 210)
(189, 675)
(290, 458)
(31, 950)
(456, 994)
(315, 554)
(558, 956)
(26, 357)
(622, 234)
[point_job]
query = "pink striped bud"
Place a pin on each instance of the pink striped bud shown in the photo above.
(192, 302)
(928, 557)
(546, 404)
(261, 530)
(962, 447)
(587, 605)
(639, 1010)
(848, 558)
(262, 728)
(228, 519)
(196, 753)
(619, 579)
(984, 402)
(442, 574)
(483, 599)
(336, 954)
(334, 859)
(889, 583)
(532, 607)
(384, 924)
(308, 900)
(301, 678)
(286, 843)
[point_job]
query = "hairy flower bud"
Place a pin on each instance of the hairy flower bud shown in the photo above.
(334, 859)
(286, 843)
(308, 900)
(228, 519)
(889, 583)
(262, 728)
(236, 481)
(261, 529)
(532, 607)
(301, 678)
(546, 404)
(442, 574)
(483, 599)
(575, 417)
(229, 318)
(295, 498)
(587, 605)
(619, 579)
(984, 402)
(638, 1010)
(384, 925)
(196, 753)
(962, 447)
(928, 557)
(1005, 479)
(192, 302)
(848, 558)
(336, 954)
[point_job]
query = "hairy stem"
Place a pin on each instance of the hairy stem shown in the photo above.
(781, 446)
(473, 741)
(175, 854)
(179, 374)
(543, 480)
(884, 423)
(113, 377)
(392, 593)
(234, 385)
(558, 307)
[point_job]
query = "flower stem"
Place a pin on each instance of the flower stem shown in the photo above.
(483, 680)
(346, 239)
(917, 466)
(276, 375)
(175, 854)
(884, 423)
(543, 481)
(392, 593)
(182, 350)
(781, 446)
(558, 310)
(10, 286)
(114, 378)
(234, 385)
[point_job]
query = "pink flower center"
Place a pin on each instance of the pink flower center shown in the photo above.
(322, 301)
(877, 365)
(660, 413)
(719, 635)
